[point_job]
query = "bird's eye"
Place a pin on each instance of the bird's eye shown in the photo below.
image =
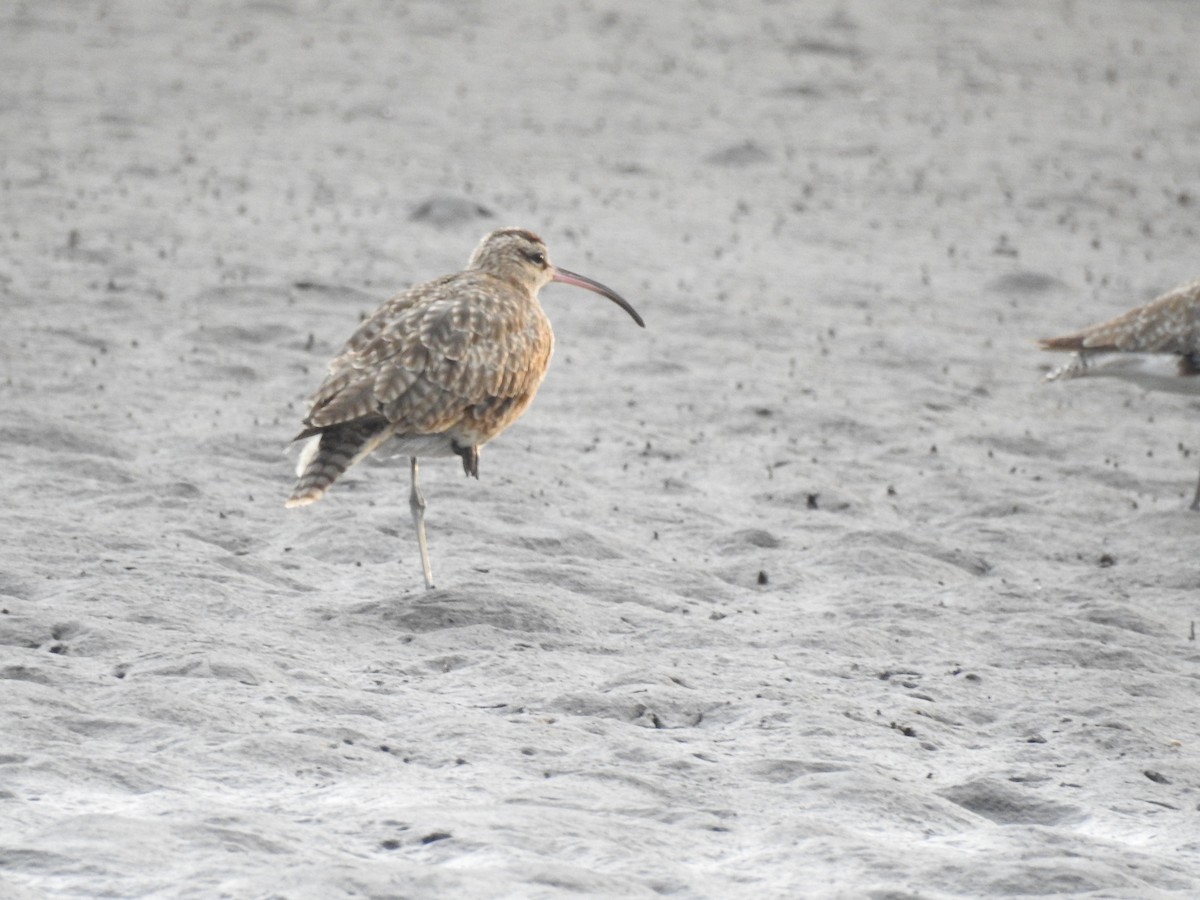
(537, 257)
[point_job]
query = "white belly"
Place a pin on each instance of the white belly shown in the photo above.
(1152, 371)
(418, 445)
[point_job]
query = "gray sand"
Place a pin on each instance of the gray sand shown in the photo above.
(811, 589)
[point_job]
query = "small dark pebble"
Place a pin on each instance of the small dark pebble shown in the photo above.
(762, 577)
(1157, 777)
(435, 836)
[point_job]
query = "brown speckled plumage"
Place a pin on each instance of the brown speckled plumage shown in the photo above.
(1156, 346)
(1169, 324)
(440, 369)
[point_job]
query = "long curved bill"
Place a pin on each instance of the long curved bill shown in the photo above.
(580, 281)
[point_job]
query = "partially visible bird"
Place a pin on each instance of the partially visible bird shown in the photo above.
(1156, 346)
(438, 370)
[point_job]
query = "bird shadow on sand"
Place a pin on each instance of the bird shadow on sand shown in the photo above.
(526, 602)
(448, 609)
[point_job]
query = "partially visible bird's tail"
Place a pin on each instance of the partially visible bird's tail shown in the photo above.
(331, 452)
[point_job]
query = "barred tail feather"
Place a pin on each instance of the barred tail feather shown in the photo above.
(330, 453)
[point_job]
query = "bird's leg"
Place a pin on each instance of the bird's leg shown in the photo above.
(1196, 499)
(470, 459)
(416, 502)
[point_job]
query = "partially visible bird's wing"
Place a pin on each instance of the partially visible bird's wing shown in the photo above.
(1170, 324)
(434, 353)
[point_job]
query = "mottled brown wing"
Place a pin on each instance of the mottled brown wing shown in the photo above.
(347, 393)
(394, 310)
(458, 351)
(1170, 324)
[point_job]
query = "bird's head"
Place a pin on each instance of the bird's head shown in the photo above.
(520, 256)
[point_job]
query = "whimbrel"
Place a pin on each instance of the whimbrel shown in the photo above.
(438, 370)
(1156, 346)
